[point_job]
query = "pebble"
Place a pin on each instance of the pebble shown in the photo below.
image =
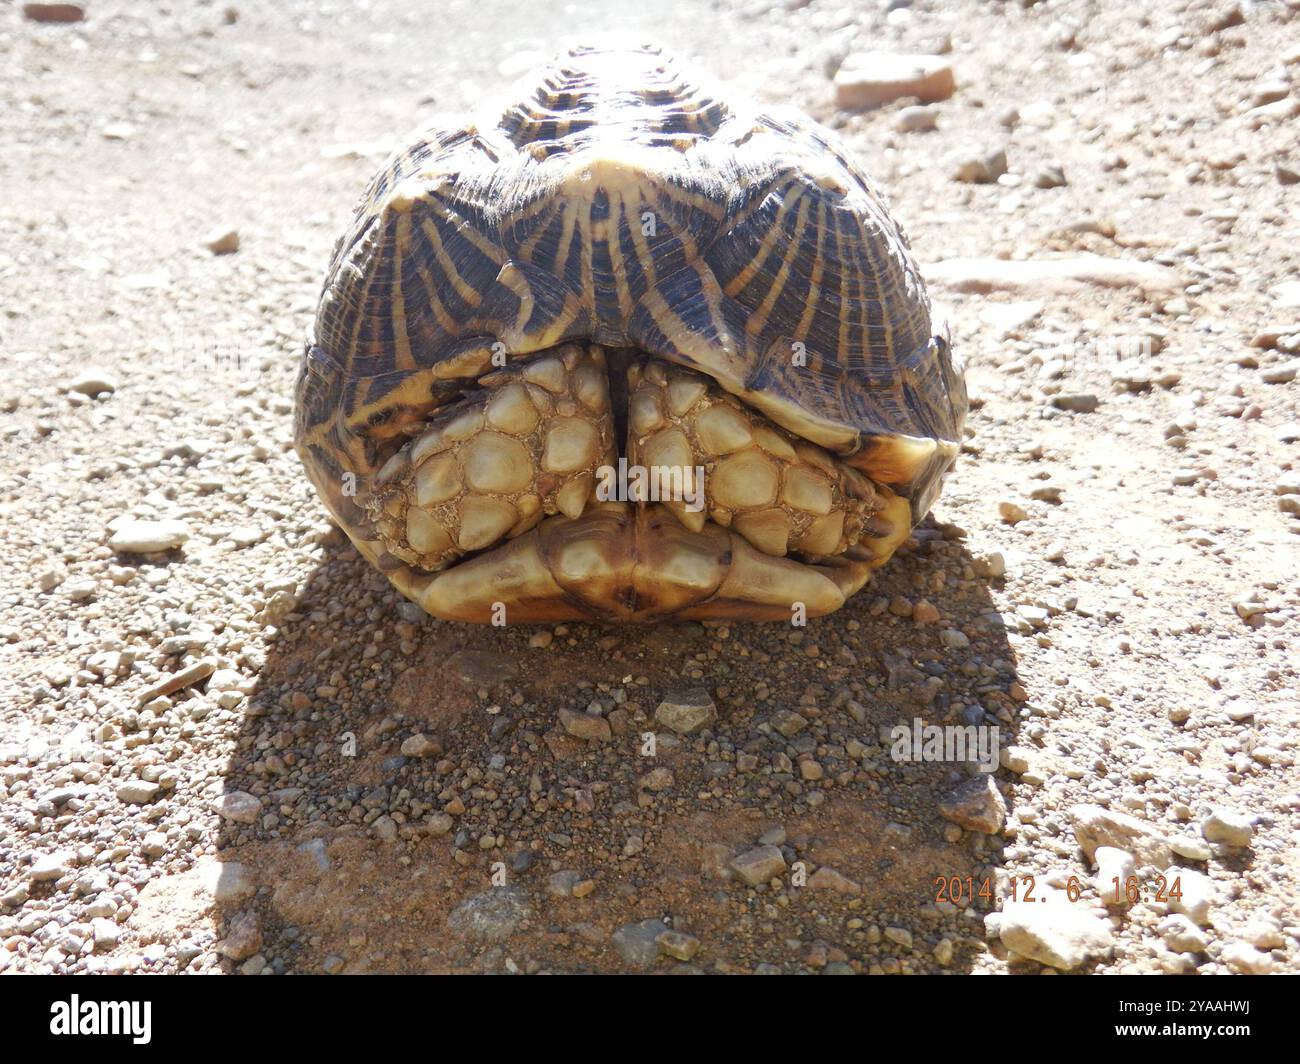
(759, 865)
(1181, 935)
(93, 382)
(1050, 176)
(132, 536)
(1076, 402)
(980, 168)
(687, 711)
(976, 805)
(238, 806)
(826, 878)
(137, 792)
(1264, 932)
(1057, 933)
(222, 241)
(582, 725)
(1228, 827)
(491, 916)
(244, 938)
(1095, 826)
(105, 933)
(1284, 373)
(420, 745)
(869, 79)
(678, 944)
(49, 866)
(1197, 895)
(1012, 513)
(1113, 864)
(54, 12)
(916, 119)
(1246, 959)
(638, 943)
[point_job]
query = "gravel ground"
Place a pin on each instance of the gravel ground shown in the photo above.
(227, 745)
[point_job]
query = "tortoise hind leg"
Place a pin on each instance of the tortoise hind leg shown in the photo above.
(490, 467)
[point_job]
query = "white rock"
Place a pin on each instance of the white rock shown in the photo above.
(238, 806)
(93, 382)
(106, 933)
(1228, 827)
(49, 866)
(137, 792)
(134, 536)
(1057, 276)
(1113, 864)
(868, 79)
(1246, 959)
(1198, 895)
(222, 241)
(1264, 932)
(1057, 932)
(1181, 935)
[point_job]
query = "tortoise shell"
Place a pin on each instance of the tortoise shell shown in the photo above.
(626, 223)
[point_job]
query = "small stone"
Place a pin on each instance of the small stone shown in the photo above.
(1012, 513)
(154, 844)
(1057, 933)
(420, 745)
(106, 933)
(1181, 935)
(916, 119)
(1076, 402)
(137, 792)
(1095, 826)
(1228, 827)
(582, 725)
(93, 382)
(826, 878)
(755, 867)
(238, 806)
(222, 241)
(244, 939)
(900, 936)
(678, 944)
(976, 805)
(1264, 932)
(981, 168)
(991, 565)
(541, 640)
(1050, 176)
(954, 639)
(638, 943)
(1190, 848)
(924, 612)
(1246, 959)
(788, 723)
(1113, 864)
(869, 79)
(133, 536)
(687, 712)
(657, 779)
(49, 866)
(1195, 895)
(1283, 373)
(54, 12)
(491, 916)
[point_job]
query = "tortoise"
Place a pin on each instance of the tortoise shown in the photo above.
(625, 348)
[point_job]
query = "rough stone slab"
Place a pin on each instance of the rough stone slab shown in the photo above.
(979, 276)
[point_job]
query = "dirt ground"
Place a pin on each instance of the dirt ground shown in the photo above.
(341, 784)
